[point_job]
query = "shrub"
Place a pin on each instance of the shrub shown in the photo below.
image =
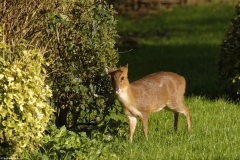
(229, 60)
(77, 39)
(80, 39)
(24, 109)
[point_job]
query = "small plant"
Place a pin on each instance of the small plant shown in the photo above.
(60, 143)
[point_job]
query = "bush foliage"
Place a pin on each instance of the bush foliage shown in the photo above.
(80, 41)
(24, 110)
(229, 61)
(71, 42)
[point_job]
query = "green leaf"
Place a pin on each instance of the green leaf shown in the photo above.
(67, 89)
(1, 76)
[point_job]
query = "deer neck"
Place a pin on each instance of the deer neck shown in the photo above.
(128, 102)
(126, 96)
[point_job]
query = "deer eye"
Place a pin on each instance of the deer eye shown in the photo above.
(122, 78)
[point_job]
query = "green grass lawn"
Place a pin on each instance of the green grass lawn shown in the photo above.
(214, 135)
(186, 41)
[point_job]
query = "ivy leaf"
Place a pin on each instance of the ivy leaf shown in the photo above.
(1, 76)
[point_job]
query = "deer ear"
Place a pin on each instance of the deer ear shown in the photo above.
(125, 69)
(109, 70)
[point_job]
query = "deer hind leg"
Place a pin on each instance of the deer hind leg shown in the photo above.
(180, 109)
(132, 125)
(187, 115)
(184, 110)
(176, 114)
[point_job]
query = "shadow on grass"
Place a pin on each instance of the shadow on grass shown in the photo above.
(197, 63)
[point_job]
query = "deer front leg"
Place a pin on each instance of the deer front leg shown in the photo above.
(132, 125)
(145, 125)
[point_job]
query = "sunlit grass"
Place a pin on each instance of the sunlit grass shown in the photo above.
(214, 135)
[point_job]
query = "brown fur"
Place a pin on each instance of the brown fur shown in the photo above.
(149, 94)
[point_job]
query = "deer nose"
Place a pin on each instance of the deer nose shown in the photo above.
(116, 88)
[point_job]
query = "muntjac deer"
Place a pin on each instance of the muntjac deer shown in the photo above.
(149, 94)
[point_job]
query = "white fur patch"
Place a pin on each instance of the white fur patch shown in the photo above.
(129, 110)
(159, 109)
(135, 112)
(132, 112)
(123, 96)
(161, 84)
(132, 119)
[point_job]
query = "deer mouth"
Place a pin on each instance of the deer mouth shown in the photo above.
(118, 91)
